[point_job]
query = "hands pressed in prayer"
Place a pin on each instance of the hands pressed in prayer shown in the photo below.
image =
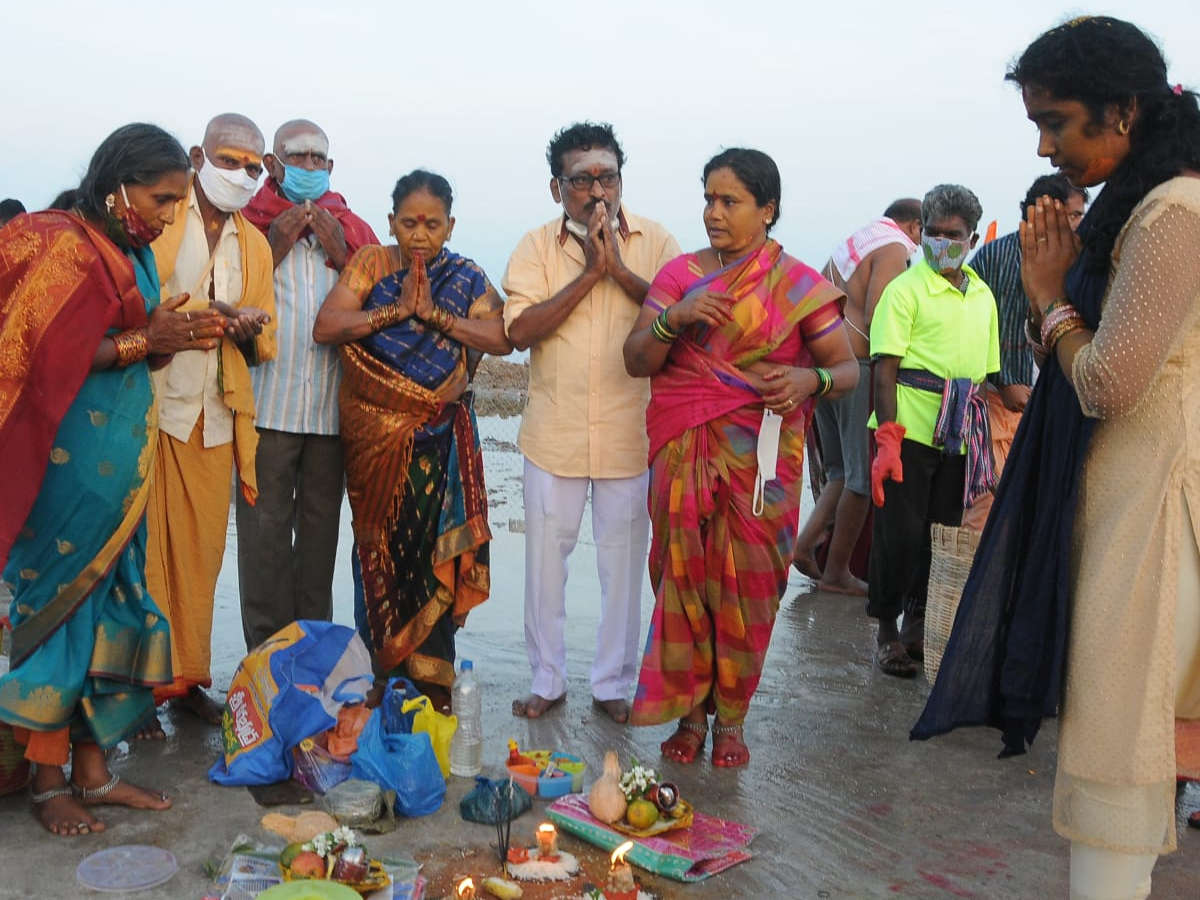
(1048, 249)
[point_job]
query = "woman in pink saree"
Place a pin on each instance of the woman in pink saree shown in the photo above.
(738, 338)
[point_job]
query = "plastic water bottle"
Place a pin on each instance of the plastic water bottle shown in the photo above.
(466, 747)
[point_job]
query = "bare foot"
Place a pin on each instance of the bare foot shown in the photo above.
(729, 750)
(685, 744)
(534, 705)
(56, 806)
(65, 816)
(616, 709)
(116, 792)
(849, 585)
(151, 731)
(200, 705)
(806, 563)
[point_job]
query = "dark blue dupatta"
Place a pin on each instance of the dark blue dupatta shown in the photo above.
(1006, 656)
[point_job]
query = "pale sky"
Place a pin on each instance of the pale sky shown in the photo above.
(858, 102)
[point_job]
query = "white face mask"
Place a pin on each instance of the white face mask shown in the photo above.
(227, 189)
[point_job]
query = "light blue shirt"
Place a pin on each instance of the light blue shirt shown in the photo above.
(297, 392)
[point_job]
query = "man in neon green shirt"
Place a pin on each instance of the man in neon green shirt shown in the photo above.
(934, 339)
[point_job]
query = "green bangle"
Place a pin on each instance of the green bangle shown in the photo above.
(661, 331)
(824, 381)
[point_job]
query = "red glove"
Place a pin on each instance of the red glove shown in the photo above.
(887, 458)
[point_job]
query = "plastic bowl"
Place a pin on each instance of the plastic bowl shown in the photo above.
(531, 778)
(573, 766)
(526, 777)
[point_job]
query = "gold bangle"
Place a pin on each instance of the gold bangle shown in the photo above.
(132, 346)
(442, 320)
(381, 317)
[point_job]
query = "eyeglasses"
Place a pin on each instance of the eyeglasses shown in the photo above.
(585, 182)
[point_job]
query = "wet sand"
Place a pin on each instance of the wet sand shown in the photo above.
(846, 805)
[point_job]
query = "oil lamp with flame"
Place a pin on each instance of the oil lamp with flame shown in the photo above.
(621, 885)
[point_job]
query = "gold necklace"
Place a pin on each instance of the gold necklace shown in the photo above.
(720, 259)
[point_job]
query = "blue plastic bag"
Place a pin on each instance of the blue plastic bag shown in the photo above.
(288, 688)
(396, 759)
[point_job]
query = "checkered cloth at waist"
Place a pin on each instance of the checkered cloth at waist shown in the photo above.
(963, 417)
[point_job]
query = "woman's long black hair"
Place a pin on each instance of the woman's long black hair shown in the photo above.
(1100, 61)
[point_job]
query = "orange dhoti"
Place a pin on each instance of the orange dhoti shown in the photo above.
(187, 518)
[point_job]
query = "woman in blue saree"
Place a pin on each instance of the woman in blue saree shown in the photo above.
(413, 320)
(80, 324)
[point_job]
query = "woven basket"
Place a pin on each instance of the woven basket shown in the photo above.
(953, 552)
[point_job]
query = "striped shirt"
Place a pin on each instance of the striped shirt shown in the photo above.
(998, 263)
(297, 392)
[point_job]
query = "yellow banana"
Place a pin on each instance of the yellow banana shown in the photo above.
(499, 887)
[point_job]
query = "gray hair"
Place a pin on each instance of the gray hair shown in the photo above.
(948, 200)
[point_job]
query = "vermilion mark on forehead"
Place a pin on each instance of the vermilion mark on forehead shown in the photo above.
(244, 157)
(421, 218)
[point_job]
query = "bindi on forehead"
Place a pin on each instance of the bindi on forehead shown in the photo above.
(594, 162)
(244, 157)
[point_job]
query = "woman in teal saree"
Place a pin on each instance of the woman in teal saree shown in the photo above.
(80, 324)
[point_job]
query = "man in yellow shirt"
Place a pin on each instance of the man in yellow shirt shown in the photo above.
(575, 286)
(205, 403)
(934, 339)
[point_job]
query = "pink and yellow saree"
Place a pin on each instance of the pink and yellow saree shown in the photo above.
(718, 570)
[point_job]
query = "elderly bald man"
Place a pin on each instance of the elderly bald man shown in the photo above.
(287, 542)
(205, 401)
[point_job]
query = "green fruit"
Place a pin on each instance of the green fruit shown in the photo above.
(641, 814)
(289, 854)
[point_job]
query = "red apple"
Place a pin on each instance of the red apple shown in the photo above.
(308, 865)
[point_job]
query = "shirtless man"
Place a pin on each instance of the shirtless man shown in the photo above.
(861, 266)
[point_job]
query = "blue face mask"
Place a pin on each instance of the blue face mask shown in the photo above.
(304, 184)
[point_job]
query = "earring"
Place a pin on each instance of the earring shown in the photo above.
(1122, 127)
(110, 201)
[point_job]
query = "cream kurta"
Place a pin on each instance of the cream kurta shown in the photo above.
(1134, 554)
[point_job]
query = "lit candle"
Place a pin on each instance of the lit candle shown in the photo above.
(547, 840)
(620, 876)
(466, 889)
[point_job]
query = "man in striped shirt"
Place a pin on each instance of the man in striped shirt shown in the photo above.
(287, 542)
(998, 263)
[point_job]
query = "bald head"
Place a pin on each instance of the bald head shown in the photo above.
(903, 210)
(300, 136)
(236, 131)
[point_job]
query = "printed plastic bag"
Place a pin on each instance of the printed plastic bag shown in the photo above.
(439, 726)
(491, 801)
(287, 689)
(396, 759)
